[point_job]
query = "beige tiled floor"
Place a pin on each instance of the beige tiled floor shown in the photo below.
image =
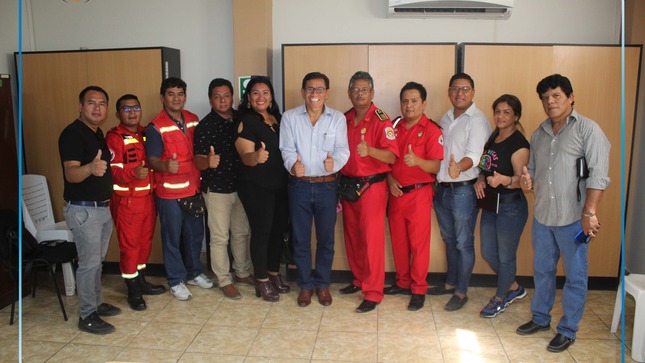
(209, 328)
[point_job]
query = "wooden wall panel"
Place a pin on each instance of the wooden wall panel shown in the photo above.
(595, 75)
(338, 62)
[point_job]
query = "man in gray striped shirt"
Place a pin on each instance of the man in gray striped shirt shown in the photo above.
(561, 213)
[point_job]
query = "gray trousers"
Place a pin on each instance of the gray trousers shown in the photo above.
(92, 228)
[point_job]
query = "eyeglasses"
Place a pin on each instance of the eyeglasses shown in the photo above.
(357, 90)
(127, 109)
(455, 89)
(318, 90)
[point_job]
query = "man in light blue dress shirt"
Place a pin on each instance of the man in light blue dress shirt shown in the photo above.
(313, 142)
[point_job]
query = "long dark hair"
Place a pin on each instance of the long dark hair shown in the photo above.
(245, 105)
(516, 105)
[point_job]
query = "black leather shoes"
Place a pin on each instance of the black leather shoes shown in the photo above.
(531, 328)
(396, 290)
(440, 290)
(107, 310)
(416, 302)
(366, 306)
(349, 289)
(95, 325)
(456, 303)
(559, 343)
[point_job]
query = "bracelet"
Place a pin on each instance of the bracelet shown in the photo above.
(588, 215)
(509, 184)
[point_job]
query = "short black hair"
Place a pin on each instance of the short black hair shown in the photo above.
(81, 96)
(414, 86)
(219, 82)
(172, 82)
(462, 75)
(552, 82)
(125, 97)
(315, 75)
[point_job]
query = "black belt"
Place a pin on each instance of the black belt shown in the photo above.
(458, 184)
(409, 188)
(370, 178)
(89, 203)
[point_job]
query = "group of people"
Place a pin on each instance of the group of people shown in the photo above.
(257, 171)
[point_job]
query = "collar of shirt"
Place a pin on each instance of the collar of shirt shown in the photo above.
(547, 126)
(180, 124)
(470, 111)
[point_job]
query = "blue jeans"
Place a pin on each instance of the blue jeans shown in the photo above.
(457, 216)
(548, 244)
(317, 202)
(500, 236)
(91, 228)
(181, 241)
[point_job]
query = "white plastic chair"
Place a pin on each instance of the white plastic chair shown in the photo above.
(634, 285)
(38, 218)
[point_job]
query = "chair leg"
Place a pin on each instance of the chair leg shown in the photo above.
(638, 337)
(68, 277)
(618, 306)
(60, 300)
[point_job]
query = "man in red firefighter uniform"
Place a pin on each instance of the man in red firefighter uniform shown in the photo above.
(133, 205)
(421, 148)
(373, 148)
(170, 154)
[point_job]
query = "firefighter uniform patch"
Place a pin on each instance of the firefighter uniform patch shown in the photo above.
(389, 133)
(381, 115)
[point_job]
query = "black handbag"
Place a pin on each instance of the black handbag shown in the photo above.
(194, 206)
(350, 189)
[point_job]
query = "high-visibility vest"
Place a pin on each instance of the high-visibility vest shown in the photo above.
(186, 182)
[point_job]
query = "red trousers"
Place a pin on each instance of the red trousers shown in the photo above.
(409, 218)
(364, 229)
(134, 221)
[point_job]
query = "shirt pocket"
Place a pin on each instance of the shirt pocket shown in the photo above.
(328, 142)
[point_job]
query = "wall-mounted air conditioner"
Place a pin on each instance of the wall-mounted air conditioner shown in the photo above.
(470, 9)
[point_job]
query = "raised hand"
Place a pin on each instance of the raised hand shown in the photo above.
(298, 168)
(410, 159)
(172, 165)
(261, 155)
(329, 162)
(453, 167)
(141, 171)
(526, 182)
(362, 148)
(213, 159)
(98, 167)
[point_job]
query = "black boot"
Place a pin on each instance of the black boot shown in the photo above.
(148, 288)
(135, 300)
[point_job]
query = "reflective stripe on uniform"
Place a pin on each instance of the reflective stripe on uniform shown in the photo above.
(130, 141)
(118, 165)
(176, 185)
(130, 276)
(192, 124)
(168, 129)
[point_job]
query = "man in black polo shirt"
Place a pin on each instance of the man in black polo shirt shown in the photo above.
(217, 158)
(88, 187)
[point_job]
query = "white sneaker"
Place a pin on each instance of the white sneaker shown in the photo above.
(202, 281)
(181, 292)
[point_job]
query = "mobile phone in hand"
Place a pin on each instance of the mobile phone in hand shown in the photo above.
(581, 237)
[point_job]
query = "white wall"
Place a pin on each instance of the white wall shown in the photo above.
(365, 21)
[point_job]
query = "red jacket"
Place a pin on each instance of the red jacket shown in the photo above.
(128, 151)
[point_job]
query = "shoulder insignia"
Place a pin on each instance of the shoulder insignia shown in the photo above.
(381, 115)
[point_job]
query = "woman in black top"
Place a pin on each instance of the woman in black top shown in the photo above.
(263, 184)
(505, 153)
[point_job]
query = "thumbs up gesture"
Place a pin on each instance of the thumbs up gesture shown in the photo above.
(98, 167)
(410, 159)
(329, 162)
(495, 179)
(141, 171)
(453, 167)
(213, 159)
(262, 155)
(298, 168)
(172, 165)
(363, 149)
(526, 182)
